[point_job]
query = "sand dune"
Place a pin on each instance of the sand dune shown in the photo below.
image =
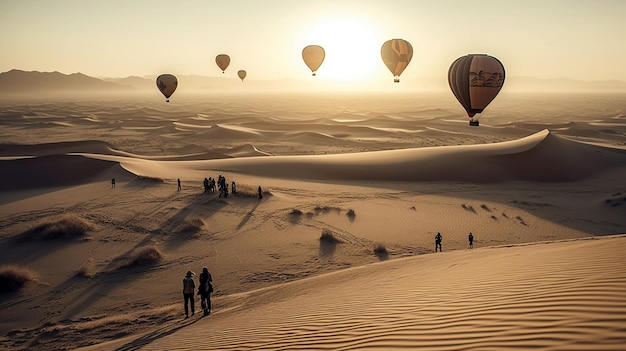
(560, 160)
(540, 183)
(557, 296)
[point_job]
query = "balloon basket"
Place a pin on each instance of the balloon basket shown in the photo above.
(474, 123)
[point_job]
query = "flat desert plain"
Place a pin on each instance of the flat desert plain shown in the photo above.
(338, 254)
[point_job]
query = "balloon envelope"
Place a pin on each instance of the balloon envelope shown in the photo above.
(475, 80)
(222, 61)
(167, 84)
(241, 74)
(396, 54)
(313, 56)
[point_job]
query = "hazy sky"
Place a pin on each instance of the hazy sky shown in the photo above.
(117, 38)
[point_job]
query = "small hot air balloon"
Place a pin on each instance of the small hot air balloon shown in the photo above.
(396, 54)
(313, 56)
(167, 84)
(241, 74)
(222, 61)
(475, 81)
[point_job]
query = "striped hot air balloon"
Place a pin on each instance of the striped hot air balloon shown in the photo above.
(475, 80)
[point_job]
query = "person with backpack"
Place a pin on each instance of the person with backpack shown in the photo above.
(205, 289)
(189, 287)
(438, 239)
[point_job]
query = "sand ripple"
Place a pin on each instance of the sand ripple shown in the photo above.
(560, 296)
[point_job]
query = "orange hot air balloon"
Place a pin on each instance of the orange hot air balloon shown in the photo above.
(396, 54)
(241, 74)
(167, 84)
(475, 81)
(313, 56)
(222, 61)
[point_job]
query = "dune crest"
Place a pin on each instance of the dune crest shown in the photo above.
(541, 157)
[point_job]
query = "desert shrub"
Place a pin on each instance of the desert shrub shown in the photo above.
(63, 226)
(351, 213)
(13, 277)
(329, 236)
(85, 270)
(149, 179)
(468, 208)
(193, 224)
(381, 251)
(244, 190)
(296, 212)
(145, 255)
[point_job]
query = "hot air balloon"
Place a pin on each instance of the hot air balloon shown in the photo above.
(222, 61)
(475, 81)
(167, 84)
(396, 54)
(313, 56)
(241, 74)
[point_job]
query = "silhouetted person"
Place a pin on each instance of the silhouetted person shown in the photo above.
(233, 188)
(260, 193)
(471, 240)
(189, 287)
(206, 185)
(205, 290)
(178, 184)
(113, 183)
(438, 239)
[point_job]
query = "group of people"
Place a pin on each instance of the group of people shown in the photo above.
(439, 238)
(205, 289)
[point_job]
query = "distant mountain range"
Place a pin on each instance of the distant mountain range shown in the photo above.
(16, 81)
(25, 82)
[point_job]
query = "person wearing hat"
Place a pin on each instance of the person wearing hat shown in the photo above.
(205, 290)
(189, 288)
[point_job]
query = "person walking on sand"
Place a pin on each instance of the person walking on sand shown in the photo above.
(471, 240)
(178, 184)
(205, 290)
(189, 287)
(438, 239)
(260, 193)
(112, 183)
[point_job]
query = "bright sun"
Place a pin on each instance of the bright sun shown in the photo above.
(352, 49)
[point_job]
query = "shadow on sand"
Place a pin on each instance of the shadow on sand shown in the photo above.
(162, 332)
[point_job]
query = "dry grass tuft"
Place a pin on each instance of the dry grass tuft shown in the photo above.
(86, 270)
(295, 212)
(193, 224)
(351, 214)
(244, 190)
(329, 237)
(13, 278)
(66, 226)
(146, 255)
(150, 179)
(381, 251)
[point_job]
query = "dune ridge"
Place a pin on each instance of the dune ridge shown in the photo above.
(560, 160)
(558, 296)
